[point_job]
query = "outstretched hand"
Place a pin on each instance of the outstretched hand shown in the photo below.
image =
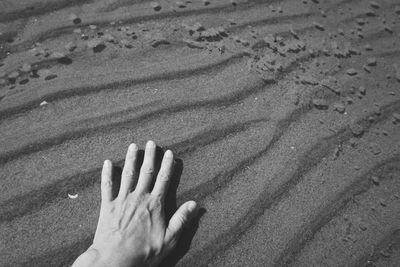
(132, 230)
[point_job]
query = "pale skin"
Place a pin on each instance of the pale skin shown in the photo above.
(132, 230)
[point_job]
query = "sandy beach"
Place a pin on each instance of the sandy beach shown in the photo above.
(285, 115)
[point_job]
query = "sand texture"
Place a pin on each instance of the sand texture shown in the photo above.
(285, 115)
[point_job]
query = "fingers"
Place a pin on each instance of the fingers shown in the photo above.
(147, 169)
(106, 182)
(128, 172)
(177, 222)
(161, 186)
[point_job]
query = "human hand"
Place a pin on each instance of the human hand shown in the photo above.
(132, 230)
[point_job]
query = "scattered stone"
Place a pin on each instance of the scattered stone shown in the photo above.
(357, 130)
(57, 55)
(126, 43)
(367, 69)
(43, 103)
(375, 149)
(26, 67)
(397, 10)
(72, 196)
(92, 27)
(377, 110)
(352, 72)
(108, 37)
(180, 4)
(368, 47)
(362, 226)
(320, 103)
(374, 4)
(360, 21)
(375, 179)
(13, 75)
(24, 81)
(339, 107)
(161, 41)
(50, 77)
(362, 90)
(388, 29)
(294, 33)
(193, 44)
(77, 31)
(43, 72)
(94, 42)
(75, 19)
(396, 117)
(156, 6)
(70, 46)
(319, 26)
(371, 61)
(370, 13)
(382, 202)
(349, 100)
(397, 72)
(206, 2)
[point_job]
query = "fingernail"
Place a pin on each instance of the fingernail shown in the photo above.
(151, 144)
(192, 206)
(168, 154)
(133, 147)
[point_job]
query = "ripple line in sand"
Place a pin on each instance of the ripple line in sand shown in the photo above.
(37, 199)
(222, 101)
(390, 240)
(332, 210)
(266, 200)
(81, 91)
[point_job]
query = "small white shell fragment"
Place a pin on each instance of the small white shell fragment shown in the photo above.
(43, 103)
(72, 196)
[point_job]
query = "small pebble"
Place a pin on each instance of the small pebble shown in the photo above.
(357, 130)
(57, 55)
(26, 67)
(72, 196)
(180, 4)
(50, 77)
(320, 103)
(156, 6)
(319, 26)
(70, 46)
(157, 42)
(367, 69)
(375, 149)
(371, 61)
(75, 19)
(339, 107)
(396, 117)
(374, 4)
(351, 72)
(375, 179)
(43, 103)
(13, 75)
(362, 90)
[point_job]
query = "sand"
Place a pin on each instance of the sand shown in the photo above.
(284, 114)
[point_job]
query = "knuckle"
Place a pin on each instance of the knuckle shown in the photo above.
(128, 173)
(155, 203)
(164, 177)
(107, 184)
(148, 170)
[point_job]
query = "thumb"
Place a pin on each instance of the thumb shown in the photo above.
(177, 222)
